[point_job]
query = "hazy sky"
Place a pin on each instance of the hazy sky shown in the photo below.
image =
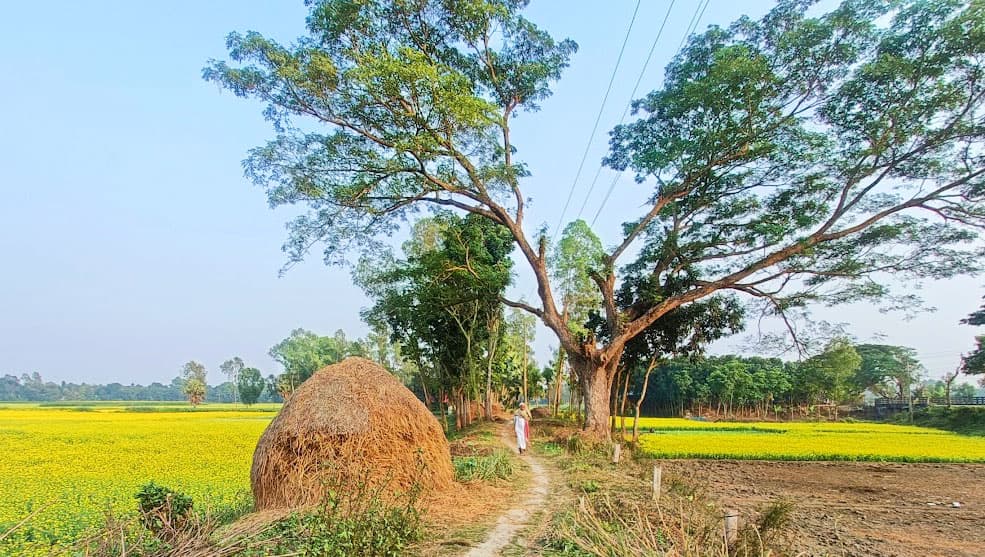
(130, 241)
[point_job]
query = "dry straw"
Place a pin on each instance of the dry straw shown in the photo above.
(350, 422)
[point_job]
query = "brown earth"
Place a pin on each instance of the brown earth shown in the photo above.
(885, 509)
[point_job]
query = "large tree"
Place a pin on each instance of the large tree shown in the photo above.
(793, 159)
(886, 370)
(974, 363)
(194, 386)
(250, 384)
(231, 368)
(303, 353)
(441, 302)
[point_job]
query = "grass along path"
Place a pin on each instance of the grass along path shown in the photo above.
(516, 518)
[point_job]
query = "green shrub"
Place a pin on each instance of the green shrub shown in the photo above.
(966, 420)
(589, 486)
(496, 466)
(161, 508)
(550, 449)
(358, 522)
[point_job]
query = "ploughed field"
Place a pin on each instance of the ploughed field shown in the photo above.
(877, 509)
(75, 463)
(683, 438)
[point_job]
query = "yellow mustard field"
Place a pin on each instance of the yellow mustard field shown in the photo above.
(79, 464)
(682, 438)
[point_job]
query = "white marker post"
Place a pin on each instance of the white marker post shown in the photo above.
(657, 473)
(731, 526)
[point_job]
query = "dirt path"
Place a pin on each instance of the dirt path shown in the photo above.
(513, 520)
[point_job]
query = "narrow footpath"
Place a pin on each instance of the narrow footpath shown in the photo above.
(513, 520)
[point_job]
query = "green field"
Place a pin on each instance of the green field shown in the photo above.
(78, 460)
(681, 438)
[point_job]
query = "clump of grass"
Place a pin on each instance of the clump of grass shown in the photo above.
(589, 486)
(162, 509)
(607, 525)
(774, 517)
(550, 449)
(498, 465)
(578, 444)
(754, 538)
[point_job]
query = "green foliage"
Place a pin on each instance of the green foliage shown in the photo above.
(549, 449)
(966, 420)
(974, 363)
(496, 466)
(441, 303)
(162, 509)
(250, 385)
(515, 361)
(773, 144)
(794, 159)
(887, 370)
(352, 521)
(829, 375)
(589, 486)
(576, 257)
(303, 353)
(194, 386)
(416, 97)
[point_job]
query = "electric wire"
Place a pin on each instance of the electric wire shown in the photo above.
(692, 26)
(629, 105)
(598, 119)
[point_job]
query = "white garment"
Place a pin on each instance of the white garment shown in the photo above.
(520, 427)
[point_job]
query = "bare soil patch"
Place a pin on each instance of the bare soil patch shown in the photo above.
(846, 508)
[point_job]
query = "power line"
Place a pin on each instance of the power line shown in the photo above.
(692, 26)
(598, 118)
(629, 105)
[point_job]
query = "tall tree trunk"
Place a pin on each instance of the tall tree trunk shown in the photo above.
(493, 326)
(489, 366)
(947, 385)
(427, 397)
(622, 406)
(596, 381)
(442, 409)
(459, 415)
(525, 399)
(558, 382)
(639, 401)
(614, 399)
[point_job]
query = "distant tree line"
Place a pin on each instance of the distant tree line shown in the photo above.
(33, 388)
(736, 385)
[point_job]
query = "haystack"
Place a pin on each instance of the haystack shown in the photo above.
(351, 423)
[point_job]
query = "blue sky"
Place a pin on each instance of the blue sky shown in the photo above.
(131, 242)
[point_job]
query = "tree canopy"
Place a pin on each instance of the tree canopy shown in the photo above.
(974, 363)
(793, 159)
(303, 353)
(194, 386)
(441, 300)
(888, 371)
(249, 385)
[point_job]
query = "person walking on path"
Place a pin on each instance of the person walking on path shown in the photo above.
(521, 425)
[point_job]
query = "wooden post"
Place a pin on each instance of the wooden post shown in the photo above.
(731, 526)
(657, 473)
(616, 452)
